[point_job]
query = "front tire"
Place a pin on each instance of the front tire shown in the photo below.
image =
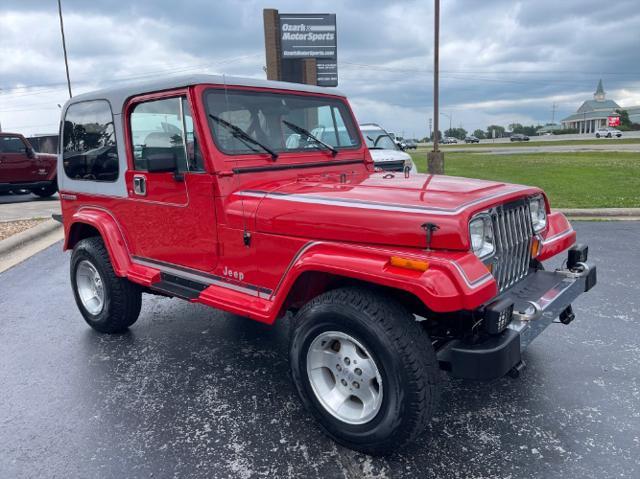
(108, 303)
(364, 368)
(46, 191)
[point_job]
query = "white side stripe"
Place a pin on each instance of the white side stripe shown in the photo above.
(371, 205)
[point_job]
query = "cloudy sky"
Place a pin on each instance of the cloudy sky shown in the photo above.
(501, 61)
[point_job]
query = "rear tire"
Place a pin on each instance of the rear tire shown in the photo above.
(46, 191)
(597, 135)
(399, 369)
(108, 303)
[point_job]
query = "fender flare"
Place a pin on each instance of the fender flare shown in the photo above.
(440, 287)
(559, 236)
(110, 232)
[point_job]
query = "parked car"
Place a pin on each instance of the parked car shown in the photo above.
(519, 137)
(385, 152)
(22, 168)
(400, 144)
(608, 133)
(471, 139)
(188, 187)
(411, 145)
(447, 140)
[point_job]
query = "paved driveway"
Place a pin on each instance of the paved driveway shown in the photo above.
(18, 207)
(193, 392)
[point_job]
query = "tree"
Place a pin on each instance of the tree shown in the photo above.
(498, 129)
(479, 134)
(625, 122)
(524, 130)
(458, 133)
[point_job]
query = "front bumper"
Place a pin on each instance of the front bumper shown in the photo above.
(537, 301)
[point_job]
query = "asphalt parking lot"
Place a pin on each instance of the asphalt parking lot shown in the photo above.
(193, 392)
(23, 206)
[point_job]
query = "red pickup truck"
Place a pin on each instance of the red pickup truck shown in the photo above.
(21, 168)
(261, 198)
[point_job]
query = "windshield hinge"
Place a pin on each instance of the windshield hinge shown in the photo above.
(246, 238)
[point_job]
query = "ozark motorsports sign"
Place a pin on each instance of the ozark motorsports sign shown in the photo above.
(311, 36)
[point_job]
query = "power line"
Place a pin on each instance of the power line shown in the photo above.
(43, 88)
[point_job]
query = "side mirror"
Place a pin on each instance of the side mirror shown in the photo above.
(161, 162)
(164, 162)
(30, 153)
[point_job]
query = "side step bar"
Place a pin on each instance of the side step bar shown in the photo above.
(175, 286)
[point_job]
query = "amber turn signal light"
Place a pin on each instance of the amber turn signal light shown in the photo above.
(535, 247)
(407, 263)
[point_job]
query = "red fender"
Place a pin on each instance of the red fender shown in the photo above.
(559, 236)
(452, 282)
(111, 234)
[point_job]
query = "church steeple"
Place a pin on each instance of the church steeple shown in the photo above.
(599, 94)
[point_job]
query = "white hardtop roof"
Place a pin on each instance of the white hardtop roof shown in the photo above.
(118, 95)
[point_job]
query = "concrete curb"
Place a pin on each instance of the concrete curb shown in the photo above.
(22, 239)
(602, 214)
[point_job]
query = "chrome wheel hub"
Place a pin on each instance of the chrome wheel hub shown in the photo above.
(344, 377)
(90, 287)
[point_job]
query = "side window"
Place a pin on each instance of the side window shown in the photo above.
(12, 144)
(165, 127)
(89, 150)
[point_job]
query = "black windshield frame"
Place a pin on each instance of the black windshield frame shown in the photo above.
(350, 124)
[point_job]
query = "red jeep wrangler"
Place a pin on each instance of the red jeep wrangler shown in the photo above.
(21, 168)
(260, 198)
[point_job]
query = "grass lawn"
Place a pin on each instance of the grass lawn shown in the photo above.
(516, 144)
(571, 180)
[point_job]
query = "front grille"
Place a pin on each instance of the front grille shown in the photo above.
(390, 165)
(513, 236)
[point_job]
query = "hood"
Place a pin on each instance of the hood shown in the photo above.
(381, 156)
(378, 208)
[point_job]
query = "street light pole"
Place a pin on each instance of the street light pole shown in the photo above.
(448, 116)
(64, 48)
(435, 158)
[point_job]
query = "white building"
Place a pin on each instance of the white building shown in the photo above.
(594, 114)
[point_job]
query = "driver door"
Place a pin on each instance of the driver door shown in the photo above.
(15, 164)
(170, 215)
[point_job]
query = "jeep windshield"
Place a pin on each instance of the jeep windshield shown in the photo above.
(279, 122)
(378, 139)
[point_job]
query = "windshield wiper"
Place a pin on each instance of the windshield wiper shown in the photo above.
(374, 147)
(239, 133)
(307, 133)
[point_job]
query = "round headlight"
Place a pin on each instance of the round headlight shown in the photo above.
(538, 213)
(481, 234)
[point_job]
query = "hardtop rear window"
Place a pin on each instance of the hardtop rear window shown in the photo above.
(89, 148)
(261, 115)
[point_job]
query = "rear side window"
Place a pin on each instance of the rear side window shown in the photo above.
(89, 149)
(12, 144)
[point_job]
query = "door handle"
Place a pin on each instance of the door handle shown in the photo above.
(140, 185)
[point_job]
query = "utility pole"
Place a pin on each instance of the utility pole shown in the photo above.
(435, 158)
(64, 47)
(553, 113)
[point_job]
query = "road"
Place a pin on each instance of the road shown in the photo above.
(193, 392)
(552, 138)
(18, 207)
(520, 148)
